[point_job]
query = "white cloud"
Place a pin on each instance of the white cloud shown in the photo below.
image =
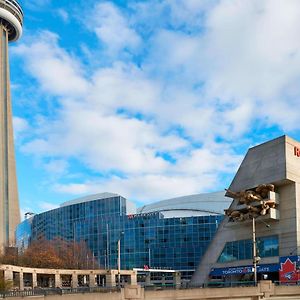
(211, 159)
(63, 14)
(253, 54)
(245, 58)
(47, 206)
(123, 86)
(142, 188)
(105, 142)
(36, 4)
(20, 126)
(56, 71)
(113, 29)
(149, 128)
(57, 166)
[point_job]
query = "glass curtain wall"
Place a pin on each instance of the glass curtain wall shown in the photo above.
(145, 239)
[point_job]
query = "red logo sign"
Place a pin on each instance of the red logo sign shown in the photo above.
(288, 271)
(296, 151)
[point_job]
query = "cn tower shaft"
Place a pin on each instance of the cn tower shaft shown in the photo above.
(9, 203)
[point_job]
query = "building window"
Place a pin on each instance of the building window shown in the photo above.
(239, 250)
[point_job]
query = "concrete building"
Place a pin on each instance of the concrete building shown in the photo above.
(260, 236)
(11, 21)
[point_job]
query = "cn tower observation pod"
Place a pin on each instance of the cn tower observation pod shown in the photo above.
(11, 17)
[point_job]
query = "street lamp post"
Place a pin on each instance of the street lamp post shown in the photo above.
(119, 261)
(107, 246)
(119, 258)
(254, 251)
(256, 258)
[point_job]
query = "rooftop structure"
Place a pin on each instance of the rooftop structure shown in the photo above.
(192, 205)
(11, 22)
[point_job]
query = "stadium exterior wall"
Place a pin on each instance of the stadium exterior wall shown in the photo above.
(159, 236)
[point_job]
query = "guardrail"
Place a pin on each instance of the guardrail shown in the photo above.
(291, 282)
(222, 284)
(57, 291)
(63, 291)
(216, 284)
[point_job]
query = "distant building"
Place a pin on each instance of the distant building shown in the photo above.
(171, 234)
(11, 22)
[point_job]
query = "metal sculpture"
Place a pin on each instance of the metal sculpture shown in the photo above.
(251, 203)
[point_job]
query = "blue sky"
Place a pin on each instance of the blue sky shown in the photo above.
(150, 99)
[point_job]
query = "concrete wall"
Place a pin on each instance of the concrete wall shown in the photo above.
(264, 290)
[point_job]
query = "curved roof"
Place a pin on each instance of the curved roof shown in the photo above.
(193, 205)
(90, 198)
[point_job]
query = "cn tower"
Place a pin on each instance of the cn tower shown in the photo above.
(11, 22)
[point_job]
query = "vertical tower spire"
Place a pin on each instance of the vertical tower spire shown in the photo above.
(11, 19)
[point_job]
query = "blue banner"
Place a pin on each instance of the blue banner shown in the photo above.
(244, 270)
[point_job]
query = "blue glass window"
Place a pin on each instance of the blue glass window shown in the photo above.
(239, 250)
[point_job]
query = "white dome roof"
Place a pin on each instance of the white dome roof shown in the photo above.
(193, 205)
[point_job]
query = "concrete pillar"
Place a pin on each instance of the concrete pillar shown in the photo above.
(58, 282)
(74, 280)
(177, 279)
(266, 287)
(148, 279)
(21, 286)
(163, 280)
(110, 280)
(34, 279)
(134, 292)
(92, 282)
(8, 275)
(133, 279)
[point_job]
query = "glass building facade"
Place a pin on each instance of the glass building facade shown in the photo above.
(146, 239)
(267, 246)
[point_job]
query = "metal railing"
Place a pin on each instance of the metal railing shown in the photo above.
(16, 5)
(291, 282)
(216, 284)
(222, 284)
(80, 290)
(57, 291)
(13, 9)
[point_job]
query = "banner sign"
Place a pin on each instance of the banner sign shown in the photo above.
(289, 268)
(243, 270)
